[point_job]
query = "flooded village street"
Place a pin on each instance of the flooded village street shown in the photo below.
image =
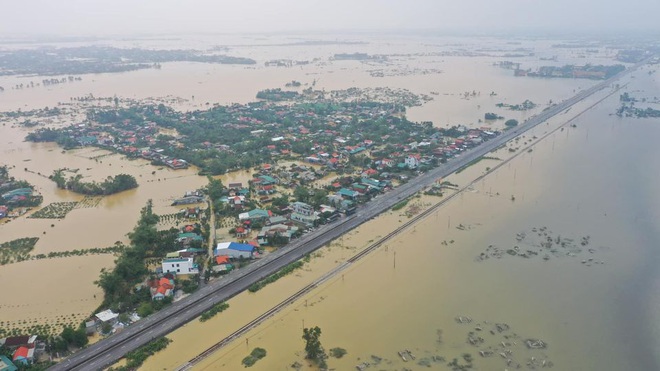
(458, 284)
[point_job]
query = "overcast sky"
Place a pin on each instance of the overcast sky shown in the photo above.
(110, 17)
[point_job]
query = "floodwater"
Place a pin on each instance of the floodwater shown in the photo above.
(577, 182)
(593, 316)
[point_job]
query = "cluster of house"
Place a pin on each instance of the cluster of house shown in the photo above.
(406, 156)
(13, 197)
(225, 252)
(126, 141)
(597, 72)
(24, 349)
(17, 195)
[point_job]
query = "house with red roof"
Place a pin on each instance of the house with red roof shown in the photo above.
(163, 287)
(369, 172)
(23, 355)
(241, 232)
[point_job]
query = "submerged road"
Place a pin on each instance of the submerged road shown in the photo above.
(106, 352)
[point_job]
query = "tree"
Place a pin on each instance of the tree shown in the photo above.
(511, 123)
(145, 309)
(301, 194)
(215, 189)
(313, 346)
(77, 338)
(106, 328)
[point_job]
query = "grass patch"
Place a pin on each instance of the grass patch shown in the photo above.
(400, 205)
(255, 355)
(218, 308)
(275, 276)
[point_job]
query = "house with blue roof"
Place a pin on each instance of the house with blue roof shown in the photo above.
(235, 250)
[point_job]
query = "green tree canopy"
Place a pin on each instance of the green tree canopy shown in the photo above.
(313, 347)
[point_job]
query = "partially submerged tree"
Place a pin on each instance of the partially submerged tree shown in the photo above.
(313, 347)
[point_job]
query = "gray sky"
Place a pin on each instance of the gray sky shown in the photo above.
(110, 17)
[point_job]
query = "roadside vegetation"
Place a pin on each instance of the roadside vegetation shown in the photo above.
(476, 161)
(136, 358)
(218, 308)
(400, 205)
(276, 276)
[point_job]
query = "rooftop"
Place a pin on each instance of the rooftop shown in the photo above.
(106, 315)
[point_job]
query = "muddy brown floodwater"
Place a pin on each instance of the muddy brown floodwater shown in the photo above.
(574, 183)
(593, 180)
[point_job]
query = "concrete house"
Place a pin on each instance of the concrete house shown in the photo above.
(180, 266)
(412, 161)
(303, 213)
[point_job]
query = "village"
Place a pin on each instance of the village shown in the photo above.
(312, 164)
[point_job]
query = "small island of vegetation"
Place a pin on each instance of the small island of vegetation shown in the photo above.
(111, 185)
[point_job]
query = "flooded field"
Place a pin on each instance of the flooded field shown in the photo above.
(411, 292)
(418, 290)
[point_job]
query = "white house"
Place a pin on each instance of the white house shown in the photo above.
(180, 266)
(303, 213)
(412, 161)
(107, 316)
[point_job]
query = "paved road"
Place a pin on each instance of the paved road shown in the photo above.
(106, 352)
